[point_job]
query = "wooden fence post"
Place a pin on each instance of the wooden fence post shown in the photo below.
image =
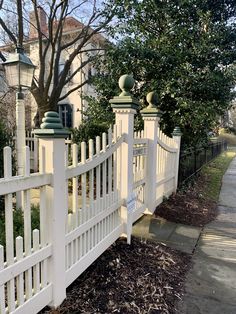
(151, 116)
(177, 138)
(52, 141)
(124, 106)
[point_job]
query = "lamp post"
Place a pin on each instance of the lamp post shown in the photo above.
(19, 75)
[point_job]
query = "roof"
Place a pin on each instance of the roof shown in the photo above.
(71, 26)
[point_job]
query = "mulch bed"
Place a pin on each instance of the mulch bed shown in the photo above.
(144, 277)
(190, 206)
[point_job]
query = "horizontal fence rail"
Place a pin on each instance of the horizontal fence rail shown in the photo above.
(33, 271)
(167, 159)
(79, 200)
(24, 260)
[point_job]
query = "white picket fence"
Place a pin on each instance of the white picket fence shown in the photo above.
(85, 206)
(33, 143)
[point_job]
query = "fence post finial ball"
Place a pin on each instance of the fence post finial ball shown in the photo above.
(126, 83)
(152, 100)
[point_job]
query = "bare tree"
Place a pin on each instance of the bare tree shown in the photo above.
(55, 40)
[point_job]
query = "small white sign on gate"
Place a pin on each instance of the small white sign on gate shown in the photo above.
(131, 203)
(140, 151)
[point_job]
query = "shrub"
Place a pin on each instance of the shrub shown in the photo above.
(18, 223)
(5, 140)
(88, 131)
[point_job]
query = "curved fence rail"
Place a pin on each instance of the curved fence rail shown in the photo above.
(167, 159)
(87, 196)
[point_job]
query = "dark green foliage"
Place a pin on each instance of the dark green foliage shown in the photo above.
(98, 117)
(186, 51)
(18, 223)
(88, 131)
(5, 140)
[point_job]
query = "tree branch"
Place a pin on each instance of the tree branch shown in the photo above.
(7, 30)
(2, 57)
(73, 90)
(78, 69)
(20, 23)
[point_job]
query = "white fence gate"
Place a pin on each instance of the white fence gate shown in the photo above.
(84, 207)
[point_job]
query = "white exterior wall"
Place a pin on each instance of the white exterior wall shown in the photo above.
(74, 99)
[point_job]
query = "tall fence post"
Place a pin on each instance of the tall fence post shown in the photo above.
(177, 138)
(52, 141)
(20, 140)
(151, 116)
(125, 106)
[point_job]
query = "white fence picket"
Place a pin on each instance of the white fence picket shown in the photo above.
(2, 288)
(104, 171)
(20, 278)
(91, 180)
(36, 269)
(93, 221)
(27, 227)
(9, 229)
(83, 183)
(43, 216)
(98, 174)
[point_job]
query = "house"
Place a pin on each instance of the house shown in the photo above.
(70, 108)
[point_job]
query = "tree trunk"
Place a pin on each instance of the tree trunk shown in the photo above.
(43, 106)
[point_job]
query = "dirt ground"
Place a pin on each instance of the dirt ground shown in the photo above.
(144, 277)
(189, 206)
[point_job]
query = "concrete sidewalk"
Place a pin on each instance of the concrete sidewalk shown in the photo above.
(211, 283)
(177, 236)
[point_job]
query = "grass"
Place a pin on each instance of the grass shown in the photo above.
(195, 203)
(230, 138)
(214, 172)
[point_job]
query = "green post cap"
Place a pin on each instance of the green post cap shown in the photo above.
(151, 110)
(125, 100)
(51, 126)
(126, 83)
(177, 131)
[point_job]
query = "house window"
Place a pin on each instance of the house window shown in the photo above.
(65, 113)
(61, 68)
(90, 73)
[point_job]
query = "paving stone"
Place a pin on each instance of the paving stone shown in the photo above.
(200, 305)
(221, 229)
(226, 217)
(227, 197)
(212, 278)
(185, 234)
(226, 210)
(211, 283)
(154, 228)
(184, 247)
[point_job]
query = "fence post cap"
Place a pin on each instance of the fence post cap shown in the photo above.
(126, 83)
(51, 126)
(125, 100)
(177, 131)
(151, 110)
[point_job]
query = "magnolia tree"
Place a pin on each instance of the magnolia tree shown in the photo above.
(186, 51)
(54, 42)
